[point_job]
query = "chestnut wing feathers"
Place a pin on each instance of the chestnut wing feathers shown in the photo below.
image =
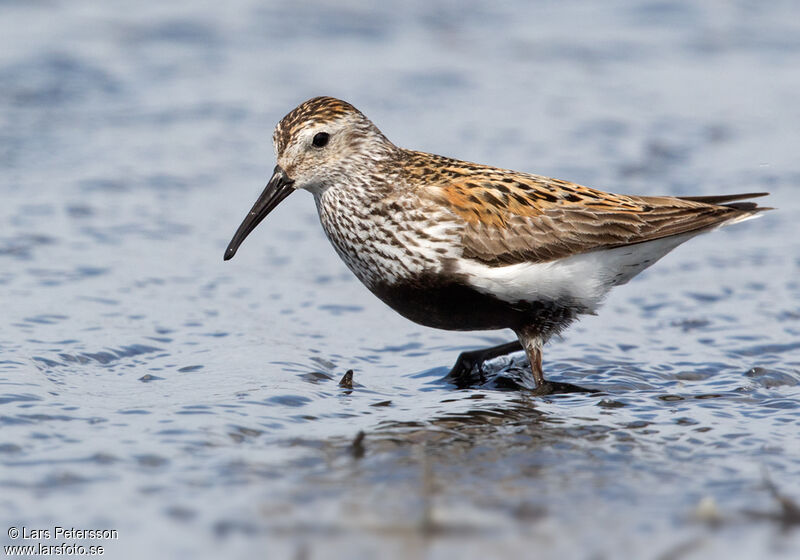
(511, 217)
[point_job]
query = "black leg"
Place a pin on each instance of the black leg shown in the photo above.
(461, 374)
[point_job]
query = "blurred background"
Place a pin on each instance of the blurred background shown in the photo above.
(193, 405)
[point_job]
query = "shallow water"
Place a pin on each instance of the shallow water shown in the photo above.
(194, 405)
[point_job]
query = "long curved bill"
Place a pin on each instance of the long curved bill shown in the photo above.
(278, 188)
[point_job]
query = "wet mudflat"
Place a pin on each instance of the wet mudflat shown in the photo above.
(195, 405)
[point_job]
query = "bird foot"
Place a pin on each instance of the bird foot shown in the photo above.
(466, 372)
(559, 388)
(468, 369)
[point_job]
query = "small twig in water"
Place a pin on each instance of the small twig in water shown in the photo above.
(357, 448)
(347, 380)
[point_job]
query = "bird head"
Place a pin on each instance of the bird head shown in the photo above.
(318, 145)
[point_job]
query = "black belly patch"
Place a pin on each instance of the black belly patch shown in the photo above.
(450, 305)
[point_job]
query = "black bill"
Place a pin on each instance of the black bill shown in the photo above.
(278, 188)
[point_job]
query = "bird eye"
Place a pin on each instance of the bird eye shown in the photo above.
(320, 139)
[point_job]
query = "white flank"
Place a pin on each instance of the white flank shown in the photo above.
(583, 279)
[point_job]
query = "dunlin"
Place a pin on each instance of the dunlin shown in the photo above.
(461, 246)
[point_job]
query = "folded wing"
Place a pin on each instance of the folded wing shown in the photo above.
(512, 218)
